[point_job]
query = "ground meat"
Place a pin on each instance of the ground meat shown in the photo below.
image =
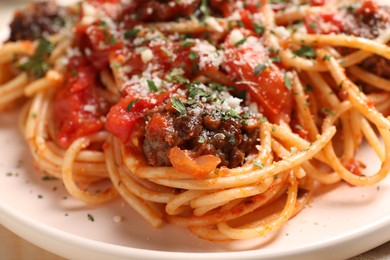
(202, 129)
(367, 20)
(378, 65)
(37, 20)
(165, 10)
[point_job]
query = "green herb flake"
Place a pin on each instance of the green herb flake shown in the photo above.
(293, 150)
(313, 25)
(201, 139)
(112, 40)
(309, 88)
(36, 64)
(240, 42)
(131, 34)
(186, 44)
(306, 51)
(287, 82)
(204, 8)
(49, 178)
(178, 105)
(326, 57)
(90, 217)
(131, 104)
(193, 55)
(327, 111)
(152, 86)
(258, 164)
(258, 69)
(341, 85)
(258, 28)
(263, 119)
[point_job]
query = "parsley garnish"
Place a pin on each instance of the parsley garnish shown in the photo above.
(259, 69)
(306, 51)
(36, 65)
(258, 164)
(327, 111)
(178, 105)
(131, 34)
(193, 55)
(90, 217)
(131, 104)
(258, 28)
(152, 86)
(176, 76)
(240, 42)
(287, 82)
(186, 44)
(309, 88)
(326, 57)
(204, 8)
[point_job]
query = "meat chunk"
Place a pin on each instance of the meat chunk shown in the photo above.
(367, 20)
(378, 65)
(165, 10)
(37, 20)
(202, 123)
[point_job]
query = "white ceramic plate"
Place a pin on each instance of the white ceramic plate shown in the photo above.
(340, 222)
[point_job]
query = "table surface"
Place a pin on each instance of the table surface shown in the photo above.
(14, 247)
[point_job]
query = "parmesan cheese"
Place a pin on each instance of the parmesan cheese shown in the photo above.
(146, 55)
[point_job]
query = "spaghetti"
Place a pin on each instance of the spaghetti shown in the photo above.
(202, 113)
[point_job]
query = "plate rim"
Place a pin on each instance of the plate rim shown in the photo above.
(59, 242)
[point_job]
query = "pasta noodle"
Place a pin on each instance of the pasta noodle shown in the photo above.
(202, 113)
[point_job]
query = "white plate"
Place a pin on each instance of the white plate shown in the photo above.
(340, 222)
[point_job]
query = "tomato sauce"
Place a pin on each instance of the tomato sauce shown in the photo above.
(77, 107)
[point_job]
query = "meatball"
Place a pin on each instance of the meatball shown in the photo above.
(204, 124)
(37, 20)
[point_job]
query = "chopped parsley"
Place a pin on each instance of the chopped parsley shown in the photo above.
(204, 8)
(131, 104)
(201, 139)
(258, 28)
(240, 42)
(193, 55)
(131, 34)
(49, 178)
(36, 64)
(259, 69)
(327, 111)
(326, 57)
(90, 217)
(176, 76)
(186, 44)
(287, 82)
(306, 51)
(152, 86)
(178, 105)
(258, 164)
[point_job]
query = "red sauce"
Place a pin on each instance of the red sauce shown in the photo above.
(324, 23)
(267, 88)
(77, 108)
(368, 8)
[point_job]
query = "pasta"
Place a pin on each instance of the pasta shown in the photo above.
(202, 113)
